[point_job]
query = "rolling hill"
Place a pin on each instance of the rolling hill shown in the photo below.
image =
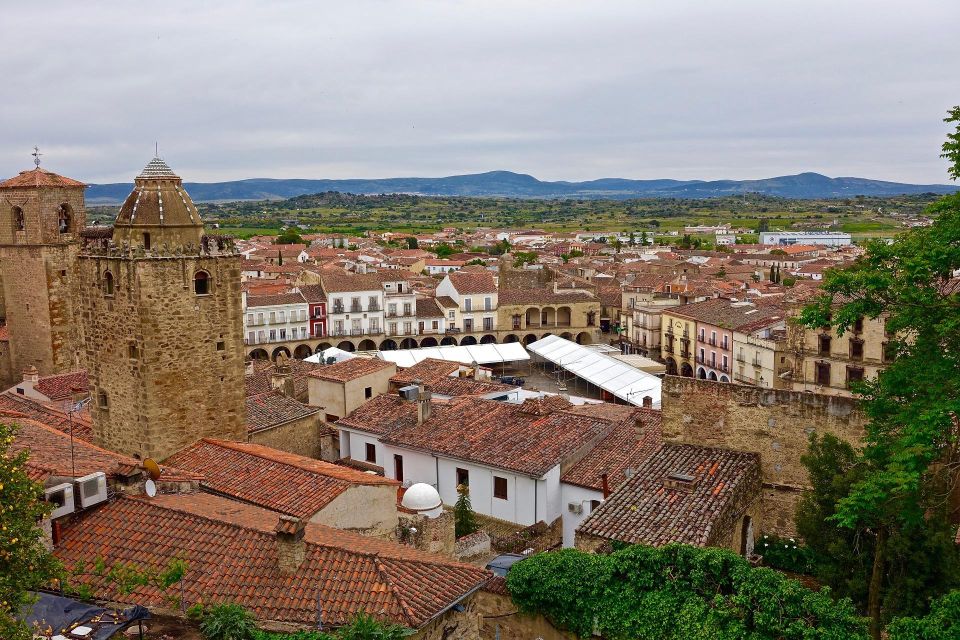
(518, 185)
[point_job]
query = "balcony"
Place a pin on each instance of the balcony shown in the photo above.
(337, 309)
(356, 308)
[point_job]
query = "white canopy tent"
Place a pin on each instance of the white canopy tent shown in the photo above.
(618, 378)
(339, 355)
(475, 353)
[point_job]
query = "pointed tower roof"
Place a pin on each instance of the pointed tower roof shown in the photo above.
(159, 207)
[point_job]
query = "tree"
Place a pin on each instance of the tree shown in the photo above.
(910, 455)
(675, 592)
(25, 564)
(289, 236)
(228, 621)
(632, 239)
(521, 258)
(951, 148)
(643, 239)
(617, 244)
(465, 520)
(279, 258)
(763, 225)
(443, 250)
(412, 242)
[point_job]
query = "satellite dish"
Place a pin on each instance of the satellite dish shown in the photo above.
(152, 468)
(150, 487)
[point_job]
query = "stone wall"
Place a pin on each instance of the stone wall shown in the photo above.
(453, 625)
(502, 621)
(368, 510)
(310, 437)
(777, 424)
(433, 535)
(166, 365)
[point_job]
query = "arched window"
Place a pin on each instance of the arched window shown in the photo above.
(201, 283)
(65, 218)
(108, 283)
(19, 223)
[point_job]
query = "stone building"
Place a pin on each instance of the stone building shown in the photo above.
(162, 324)
(40, 215)
(775, 424)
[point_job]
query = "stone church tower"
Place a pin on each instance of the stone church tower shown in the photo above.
(162, 323)
(41, 214)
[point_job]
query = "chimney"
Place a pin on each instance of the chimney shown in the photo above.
(248, 369)
(291, 549)
(606, 486)
(424, 403)
(647, 402)
(31, 375)
(281, 379)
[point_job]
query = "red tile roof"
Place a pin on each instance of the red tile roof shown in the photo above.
(260, 380)
(39, 178)
(351, 369)
(473, 282)
(344, 282)
(427, 370)
(644, 510)
(275, 300)
(636, 437)
(79, 424)
(273, 409)
(231, 554)
(498, 434)
(270, 478)
(63, 386)
(51, 449)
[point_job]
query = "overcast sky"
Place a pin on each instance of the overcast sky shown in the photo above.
(558, 89)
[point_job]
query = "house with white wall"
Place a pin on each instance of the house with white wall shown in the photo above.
(275, 318)
(354, 304)
(475, 292)
(511, 456)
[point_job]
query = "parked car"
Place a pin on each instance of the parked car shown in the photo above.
(502, 563)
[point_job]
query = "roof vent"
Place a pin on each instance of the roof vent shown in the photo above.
(681, 481)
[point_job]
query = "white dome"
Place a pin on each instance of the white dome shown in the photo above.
(421, 498)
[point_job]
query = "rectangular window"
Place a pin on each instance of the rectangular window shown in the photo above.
(450, 315)
(249, 318)
(468, 324)
(488, 324)
(856, 349)
(283, 316)
(371, 453)
(854, 374)
(823, 373)
(593, 505)
(407, 328)
(436, 324)
(373, 304)
(468, 304)
(393, 328)
(488, 304)
(823, 344)
(283, 334)
(251, 337)
(463, 477)
(392, 309)
(259, 318)
(499, 488)
(273, 335)
(273, 317)
(398, 467)
(407, 309)
(368, 392)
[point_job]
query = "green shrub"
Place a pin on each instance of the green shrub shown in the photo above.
(942, 623)
(227, 622)
(785, 554)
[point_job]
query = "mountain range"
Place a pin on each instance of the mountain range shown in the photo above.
(518, 185)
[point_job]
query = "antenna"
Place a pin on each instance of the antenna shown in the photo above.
(156, 149)
(152, 468)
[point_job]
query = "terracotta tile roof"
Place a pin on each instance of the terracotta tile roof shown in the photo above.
(645, 510)
(347, 282)
(498, 434)
(610, 296)
(543, 296)
(426, 308)
(64, 385)
(447, 302)
(382, 414)
(726, 314)
(39, 178)
(269, 478)
(231, 554)
(473, 282)
(259, 381)
(457, 386)
(313, 293)
(635, 438)
(272, 409)
(351, 369)
(35, 410)
(427, 370)
(51, 449)
(273, 300)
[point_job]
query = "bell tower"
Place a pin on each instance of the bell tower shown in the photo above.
(162, 324)
(41, 214)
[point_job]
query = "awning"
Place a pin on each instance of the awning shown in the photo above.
(618, 378)
(474, 353)
(339, 355)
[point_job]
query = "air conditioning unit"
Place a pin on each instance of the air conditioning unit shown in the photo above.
(61, 497)
(575, 507)
(91, 489)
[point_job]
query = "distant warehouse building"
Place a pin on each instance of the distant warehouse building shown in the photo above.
(828, 238)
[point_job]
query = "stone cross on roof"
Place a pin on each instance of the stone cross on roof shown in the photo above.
(36, 156)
